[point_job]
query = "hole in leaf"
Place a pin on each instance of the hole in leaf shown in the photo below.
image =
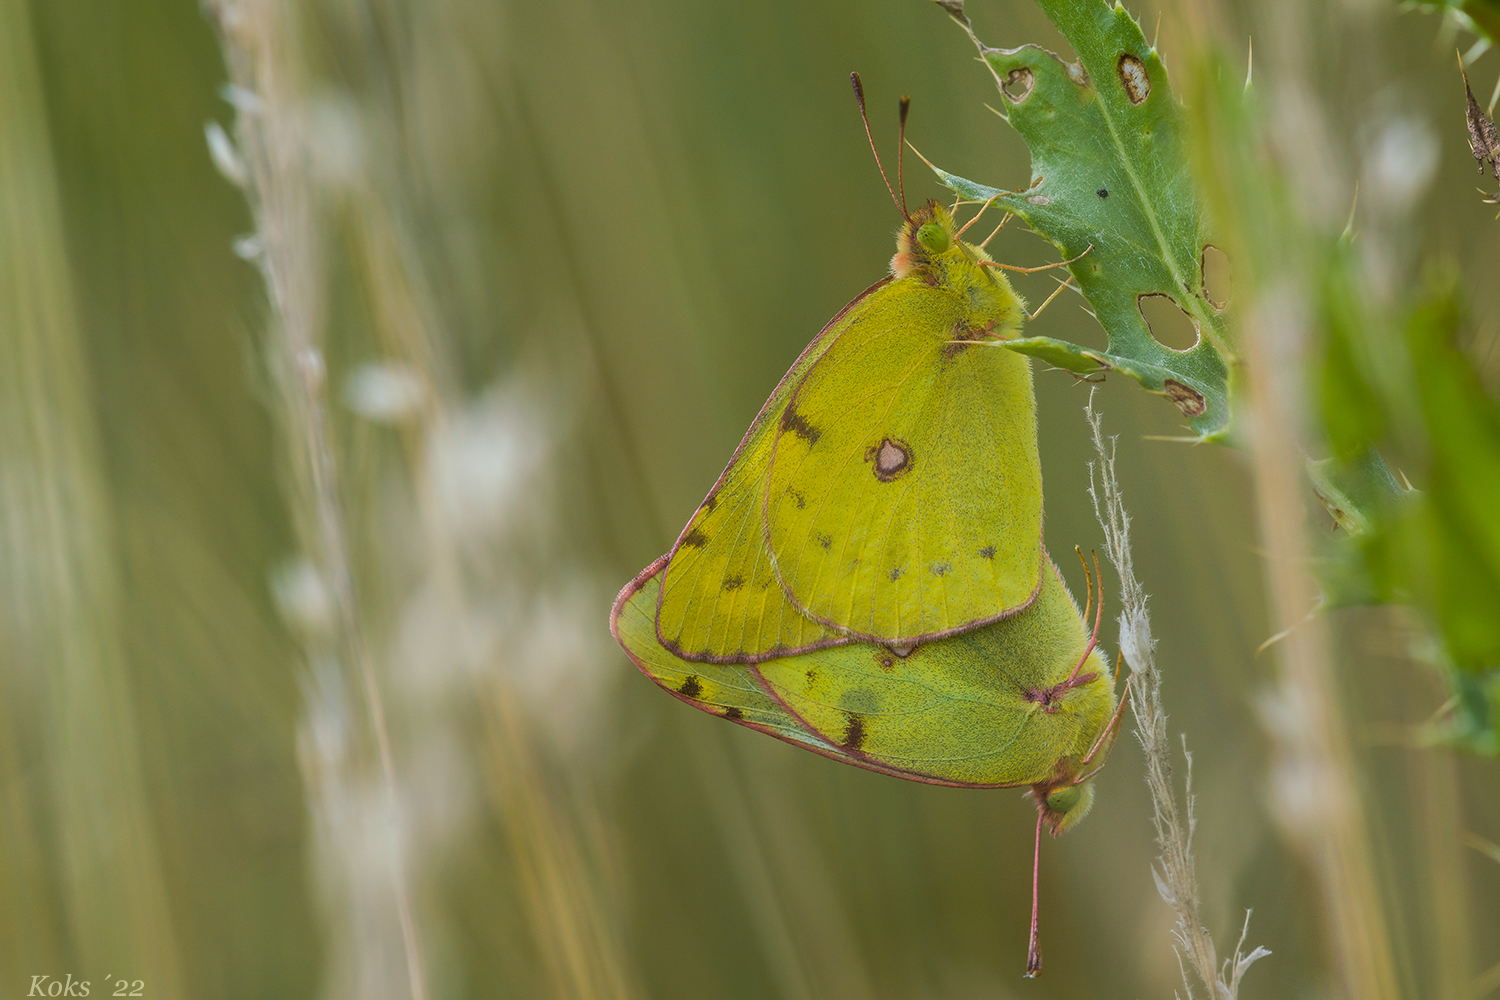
(1215, 276)
(1133, 75)
(1170, 326)
(1018, 84)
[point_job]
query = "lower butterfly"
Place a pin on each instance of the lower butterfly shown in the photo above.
(1026, 701)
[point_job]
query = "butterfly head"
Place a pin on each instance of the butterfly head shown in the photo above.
(925, 241)
(1063, 805)
(929, 247)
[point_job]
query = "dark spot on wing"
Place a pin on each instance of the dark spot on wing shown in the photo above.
(710, 503)
(792, 421)
(938, 569)
(889, 459)
(694, 539)
(733, 713)
(854, 732)
(797, 498)
(884, 660)
(1102, 193)
(895, 573)
(988, 552)
(823, 540)
(690, 687)
(733, 582)
(812, 676)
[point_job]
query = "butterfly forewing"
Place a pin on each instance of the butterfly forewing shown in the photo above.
(903, 500)
(720, 599)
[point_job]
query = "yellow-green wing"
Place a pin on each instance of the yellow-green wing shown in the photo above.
(959, 711)
(904, 496)
(720, 599)
(728, 690)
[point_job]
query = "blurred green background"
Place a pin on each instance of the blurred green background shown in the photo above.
(561, 253)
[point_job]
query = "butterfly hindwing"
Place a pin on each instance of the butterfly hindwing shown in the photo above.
(957, 711)
(728, 690)
(963, 710)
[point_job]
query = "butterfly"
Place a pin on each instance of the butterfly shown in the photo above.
(1025, 701)
(867, 578)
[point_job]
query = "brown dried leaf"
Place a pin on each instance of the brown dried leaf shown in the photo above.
(1484, 141)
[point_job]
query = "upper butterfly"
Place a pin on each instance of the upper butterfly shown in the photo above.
(889, 490)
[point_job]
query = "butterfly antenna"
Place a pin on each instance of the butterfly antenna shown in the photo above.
(859, 95)
(1098, 609)
(1033, 950)
(1088, 583)
(1106, 741)
(901, 153)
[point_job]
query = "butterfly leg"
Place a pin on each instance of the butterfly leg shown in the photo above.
(1033, 949)
(966, 225)
(1047, 303)
(1106, 740)
(1040, 267)
(996, 230)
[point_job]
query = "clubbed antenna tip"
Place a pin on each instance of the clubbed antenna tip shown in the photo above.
(859, 95)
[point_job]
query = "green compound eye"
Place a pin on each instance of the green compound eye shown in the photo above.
(933, 237)
(1071, 803)
(1064, 799)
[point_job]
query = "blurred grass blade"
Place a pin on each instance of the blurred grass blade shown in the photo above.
(81, 876)
(1279, 256)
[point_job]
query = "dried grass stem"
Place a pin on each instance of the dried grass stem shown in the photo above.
(260, 40)
(1174, 872)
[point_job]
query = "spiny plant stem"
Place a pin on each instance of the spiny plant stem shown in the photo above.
(1174, 872)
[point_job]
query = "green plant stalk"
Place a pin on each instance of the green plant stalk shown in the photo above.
(1484, 14)
(1311, 748)
(81, 875)
(1309, 730)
